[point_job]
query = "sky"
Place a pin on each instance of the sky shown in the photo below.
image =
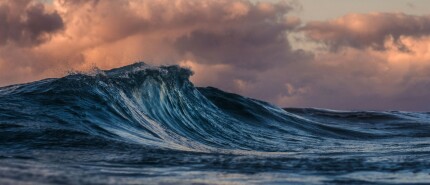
(336, 54)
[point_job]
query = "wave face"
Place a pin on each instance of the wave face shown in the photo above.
(137, 119)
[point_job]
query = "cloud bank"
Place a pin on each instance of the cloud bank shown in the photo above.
(376, 60)
(367, 30)
(366, 61)
(241, 37)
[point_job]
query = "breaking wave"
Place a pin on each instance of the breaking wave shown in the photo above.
(159, 109)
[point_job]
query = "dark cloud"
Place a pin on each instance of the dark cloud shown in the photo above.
(255, 39)
(367, 30)
(27, 23)
(258, 46)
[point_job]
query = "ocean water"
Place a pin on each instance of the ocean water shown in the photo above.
(141, 124)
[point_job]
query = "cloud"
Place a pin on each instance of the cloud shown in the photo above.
(252, 36)
(242, 35)
(257, 45)
(237, 45)
(367, 30)
(27, 23)
(355, 78)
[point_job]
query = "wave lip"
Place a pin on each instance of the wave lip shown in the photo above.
(158, 107)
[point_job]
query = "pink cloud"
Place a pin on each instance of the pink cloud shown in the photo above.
(367, 30)
(236, 45)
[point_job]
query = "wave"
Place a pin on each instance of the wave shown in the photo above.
(158, 107)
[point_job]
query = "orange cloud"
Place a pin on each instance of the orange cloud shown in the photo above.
(93, 35)
(381, 59)
(366, 78)
(367, 30)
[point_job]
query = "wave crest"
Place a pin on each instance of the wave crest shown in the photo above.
(158, 107)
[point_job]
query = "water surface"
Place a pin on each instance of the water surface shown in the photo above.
(141, 124)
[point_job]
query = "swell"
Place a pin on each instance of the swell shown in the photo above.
(158, 107)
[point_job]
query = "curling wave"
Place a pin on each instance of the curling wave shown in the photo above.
(158, 107)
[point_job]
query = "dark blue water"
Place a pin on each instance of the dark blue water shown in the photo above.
(149, 125)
